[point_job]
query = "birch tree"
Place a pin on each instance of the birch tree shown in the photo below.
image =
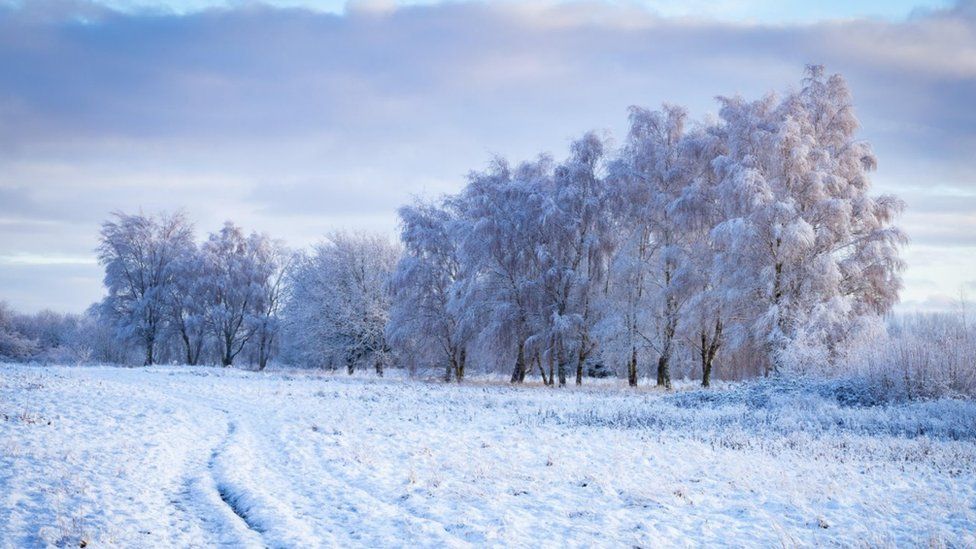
(497, 241)
(339, 302)
(814, 246)
(233, 289)
(426, 287)
(572, 249)
(140, 255)
(655, 169)
(272, 260)
(185, 302)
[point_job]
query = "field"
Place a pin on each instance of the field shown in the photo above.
(192, 456)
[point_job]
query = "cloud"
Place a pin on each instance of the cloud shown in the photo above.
(62, 288)
(295, 121)
(31, 259)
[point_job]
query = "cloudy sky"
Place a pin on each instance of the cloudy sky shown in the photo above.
(298, 117)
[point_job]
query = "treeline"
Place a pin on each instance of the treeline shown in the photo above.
(177, 300)
(170, 300)
(751, 239)
(749, 243)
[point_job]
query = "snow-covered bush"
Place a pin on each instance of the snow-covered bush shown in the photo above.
(14, 345)
(920, 356)
(47, 337)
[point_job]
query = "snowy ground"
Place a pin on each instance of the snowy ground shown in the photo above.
(203, 456)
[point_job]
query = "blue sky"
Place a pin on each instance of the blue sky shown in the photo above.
(299, 121)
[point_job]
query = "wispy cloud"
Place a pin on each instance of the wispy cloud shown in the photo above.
(38, 259)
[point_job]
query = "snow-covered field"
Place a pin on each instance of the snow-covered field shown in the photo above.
(178, 456)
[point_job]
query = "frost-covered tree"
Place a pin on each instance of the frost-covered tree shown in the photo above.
(185, 303)
(339, 303)
(498, 234)
(533, 246)
(656, 168)
(573, 243)
(272, 259)
(98, 341)
(706, 310)
(813, 249)
(140, 255)
(425, 316)
(233, 288)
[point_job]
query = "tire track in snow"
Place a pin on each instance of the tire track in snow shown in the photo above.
(232, 493)
(229, 498)
(271, 509)
(203, 499)
(257, 496)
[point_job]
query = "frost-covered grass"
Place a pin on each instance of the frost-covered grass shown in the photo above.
(177, 456)
(790, 406)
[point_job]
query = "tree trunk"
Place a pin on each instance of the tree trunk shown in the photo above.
(187, 346)
(197, 350)
(581, 361)
(263, 352)
(518, 374)
(562, 364)
(632, 367)
(451, 365)
(706, 373)
(579, 372)
(670, 327)
(705, 362)
(227, 359)
(461, 363)
(542, 371)
(149, 352)
(774, 351)
(708, 352)
(664, 371)
(773, 346)
(379, 368)
(552, 371)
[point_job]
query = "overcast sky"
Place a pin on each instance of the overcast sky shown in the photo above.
(298, 117)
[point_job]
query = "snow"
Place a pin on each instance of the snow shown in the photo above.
(197, 456)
